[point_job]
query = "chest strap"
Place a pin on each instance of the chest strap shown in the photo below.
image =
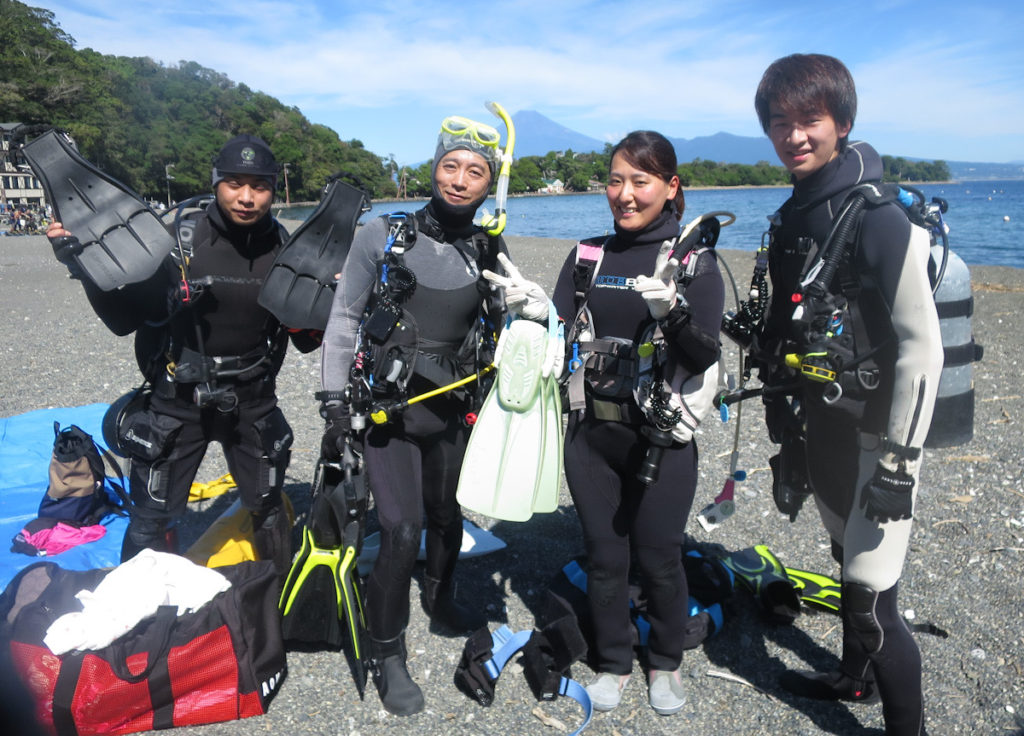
(194, 367)
(599, 357)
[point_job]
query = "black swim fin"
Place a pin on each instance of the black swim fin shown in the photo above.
(814, 589)
(300, 286)
(122, 241)
(322, 600)
(763, 575)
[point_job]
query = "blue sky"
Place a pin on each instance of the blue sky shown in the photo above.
(935, 79)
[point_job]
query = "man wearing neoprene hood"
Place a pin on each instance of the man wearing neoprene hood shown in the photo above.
(411, 315)
(211, 355)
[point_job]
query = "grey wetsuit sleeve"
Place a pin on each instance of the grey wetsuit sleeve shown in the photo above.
(350, 298)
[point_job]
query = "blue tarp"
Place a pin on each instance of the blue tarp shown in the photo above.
(26, 444)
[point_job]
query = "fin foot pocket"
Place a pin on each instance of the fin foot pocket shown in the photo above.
(834, 685)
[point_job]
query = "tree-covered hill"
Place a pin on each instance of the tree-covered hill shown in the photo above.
(134, 118)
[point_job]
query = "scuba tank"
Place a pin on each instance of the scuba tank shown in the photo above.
(953, 417)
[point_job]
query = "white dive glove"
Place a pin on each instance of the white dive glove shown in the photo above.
(522, 297)
(659, 289)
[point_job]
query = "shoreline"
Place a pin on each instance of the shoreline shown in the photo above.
(521, 195)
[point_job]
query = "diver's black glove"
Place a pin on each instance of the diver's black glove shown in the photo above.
(789, 498)
(678, 317)
(336, 432)
(65, 248)
(888, 496)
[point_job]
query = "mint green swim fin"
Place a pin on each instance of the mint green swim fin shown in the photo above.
(545, 498)
(513, 462)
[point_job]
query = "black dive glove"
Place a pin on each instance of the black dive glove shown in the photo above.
(789, 496)
(678, 317)
(790, 487)
(65, 248)
(336, 433)
(888, 496)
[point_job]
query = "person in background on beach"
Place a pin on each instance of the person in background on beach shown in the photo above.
(427, 268)
(609, 439)
(212, 363)
(858, 451)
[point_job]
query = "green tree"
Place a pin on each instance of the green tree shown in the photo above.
(133, 116)
(525, 176)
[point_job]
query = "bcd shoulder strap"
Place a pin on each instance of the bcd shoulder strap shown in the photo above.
(589, 254)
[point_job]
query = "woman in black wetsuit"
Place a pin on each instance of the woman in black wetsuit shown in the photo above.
(606, 444)
(413, 461)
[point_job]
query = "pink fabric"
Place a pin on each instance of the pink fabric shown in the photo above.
(63, 537)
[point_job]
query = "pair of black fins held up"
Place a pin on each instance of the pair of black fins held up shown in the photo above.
(321, 600)
(119, 240)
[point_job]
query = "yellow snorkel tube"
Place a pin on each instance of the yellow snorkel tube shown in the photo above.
(494, 224)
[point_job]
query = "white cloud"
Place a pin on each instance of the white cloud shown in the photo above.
(941, 75)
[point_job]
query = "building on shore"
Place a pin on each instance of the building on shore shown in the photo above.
(18, 184)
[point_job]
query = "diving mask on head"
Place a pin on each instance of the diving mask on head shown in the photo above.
(459, 132)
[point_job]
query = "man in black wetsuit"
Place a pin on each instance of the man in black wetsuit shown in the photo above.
(211, 354)
(862, 443)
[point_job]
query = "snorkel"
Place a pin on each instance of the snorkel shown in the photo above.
(494, 224)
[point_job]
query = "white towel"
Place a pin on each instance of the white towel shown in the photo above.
(130, 593)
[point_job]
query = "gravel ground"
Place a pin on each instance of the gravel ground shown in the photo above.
(963, 572)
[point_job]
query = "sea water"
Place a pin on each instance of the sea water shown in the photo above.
(985, 218)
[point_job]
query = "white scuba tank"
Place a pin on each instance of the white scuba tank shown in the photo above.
(953, 418)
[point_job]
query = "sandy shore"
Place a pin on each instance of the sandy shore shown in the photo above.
(964, 572)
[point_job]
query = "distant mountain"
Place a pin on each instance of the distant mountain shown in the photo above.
(724, 148)
(536, 135)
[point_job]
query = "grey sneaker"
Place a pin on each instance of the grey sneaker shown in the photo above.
(605, 690)
(665, 692)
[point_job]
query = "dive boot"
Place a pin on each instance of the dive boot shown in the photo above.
(439, 602)
(834, 685)
(398, 693)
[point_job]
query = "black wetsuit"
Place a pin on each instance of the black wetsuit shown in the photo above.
(236, 405)
(618, 514)
(413, 462)
(894, 316)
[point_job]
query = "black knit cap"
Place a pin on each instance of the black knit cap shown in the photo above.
(246, 154)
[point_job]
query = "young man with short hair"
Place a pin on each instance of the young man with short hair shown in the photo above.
(862, 344)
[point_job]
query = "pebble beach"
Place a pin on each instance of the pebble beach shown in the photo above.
(964, 573)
